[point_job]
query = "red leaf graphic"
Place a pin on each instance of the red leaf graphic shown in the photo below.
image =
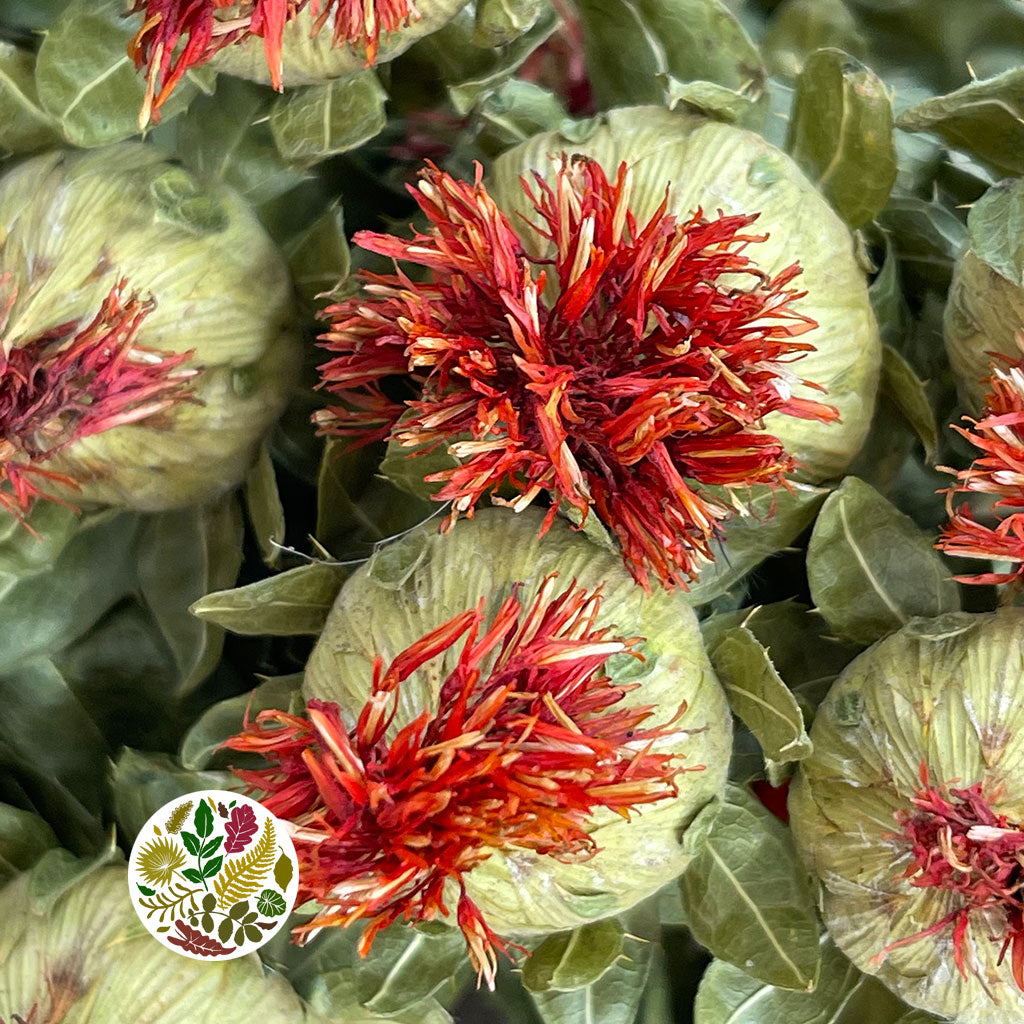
(192, 940)
(240, 828)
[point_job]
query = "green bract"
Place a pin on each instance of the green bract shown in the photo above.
(421, 581)
(949, 693)
(985, 308)
(716, 166)
(310, 59)
(71, 224)
(84, 957)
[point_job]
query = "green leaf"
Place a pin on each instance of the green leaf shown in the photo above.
(907, 391)
(870, 569)
(759, 696)
(319, 256)
(192, 875)
(750, 539)
(211, 847)
(315, 122)
(576, 959)
(182, 555)
(409, 966)
(840, 133)
(238, 910)
(728, 995)
(212, 867)
(192, 843)
(708, 98)
(270, 903)
(927, 238)
(500, 22)
(264, 505)
(515, 112)
(86, 80)
(24, 125)
(209, 902)
(24, 838)
(227, 137)
(283, 872)
(746, 895)
(886, 291)
(630, 43)
(225, 928)
(203, 819)
(985, 118)
(799, 27)
(144, 890)
(615, 996)
(996, 225)
(290, 604)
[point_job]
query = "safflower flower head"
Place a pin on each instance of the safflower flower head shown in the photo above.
(909, 811)
(999, 470)
(208, 26)
(73, 381)
(620, 374)
(516, 764)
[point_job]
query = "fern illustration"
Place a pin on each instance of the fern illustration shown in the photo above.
(172, 901)
(177, 818)
(241, 877)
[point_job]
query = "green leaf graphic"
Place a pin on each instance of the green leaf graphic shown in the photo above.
(203, 819)
(192, 875)
(191, 843)
(210, 868)
(271, 903)
(145, 891)
(211, 847)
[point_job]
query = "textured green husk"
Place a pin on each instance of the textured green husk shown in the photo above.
(417, 583)
(85, 949)
(71, 224)
(946, 691)
(985, 307)
(311, 59)
(717, 166)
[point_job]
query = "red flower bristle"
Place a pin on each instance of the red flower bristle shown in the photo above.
(75, 381)
(645, 374)
(528, 738)
(960, 845)
(177, 35)
(999, 435)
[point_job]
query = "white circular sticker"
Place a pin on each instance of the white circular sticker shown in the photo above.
(213, 875)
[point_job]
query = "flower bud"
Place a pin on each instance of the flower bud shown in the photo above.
(516, 706)
(910, 812)
(85, 956)
(180, 311)
(985, 308)
(716, 167)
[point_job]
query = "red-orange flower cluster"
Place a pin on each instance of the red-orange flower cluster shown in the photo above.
(646, 362)
(527, 740)
(962, 846)
(207, 26)
(75, 381)
(999, 435)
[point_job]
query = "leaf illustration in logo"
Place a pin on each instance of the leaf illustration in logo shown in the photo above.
(158, 860)
(211, 867)
(177, 818)
(240, 829)
(271, 903)
(194, 941)
(203, 820)
(191, 842)
(145, 891)
(222, 810)
(244, 876)
(283, 871)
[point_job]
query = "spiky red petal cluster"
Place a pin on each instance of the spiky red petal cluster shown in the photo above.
(526, 742)
(207, 26)
(653, 361)
(999, 435)
(960, 845)
(75, 381)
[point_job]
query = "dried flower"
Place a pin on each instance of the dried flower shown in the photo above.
(653, 362)
(960, 845)
(527, 740)
(921, 879)
(92, 412)
(999, 435)
(207, 26)
(74, 381)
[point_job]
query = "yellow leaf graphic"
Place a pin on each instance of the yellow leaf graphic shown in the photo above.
(243, 876)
